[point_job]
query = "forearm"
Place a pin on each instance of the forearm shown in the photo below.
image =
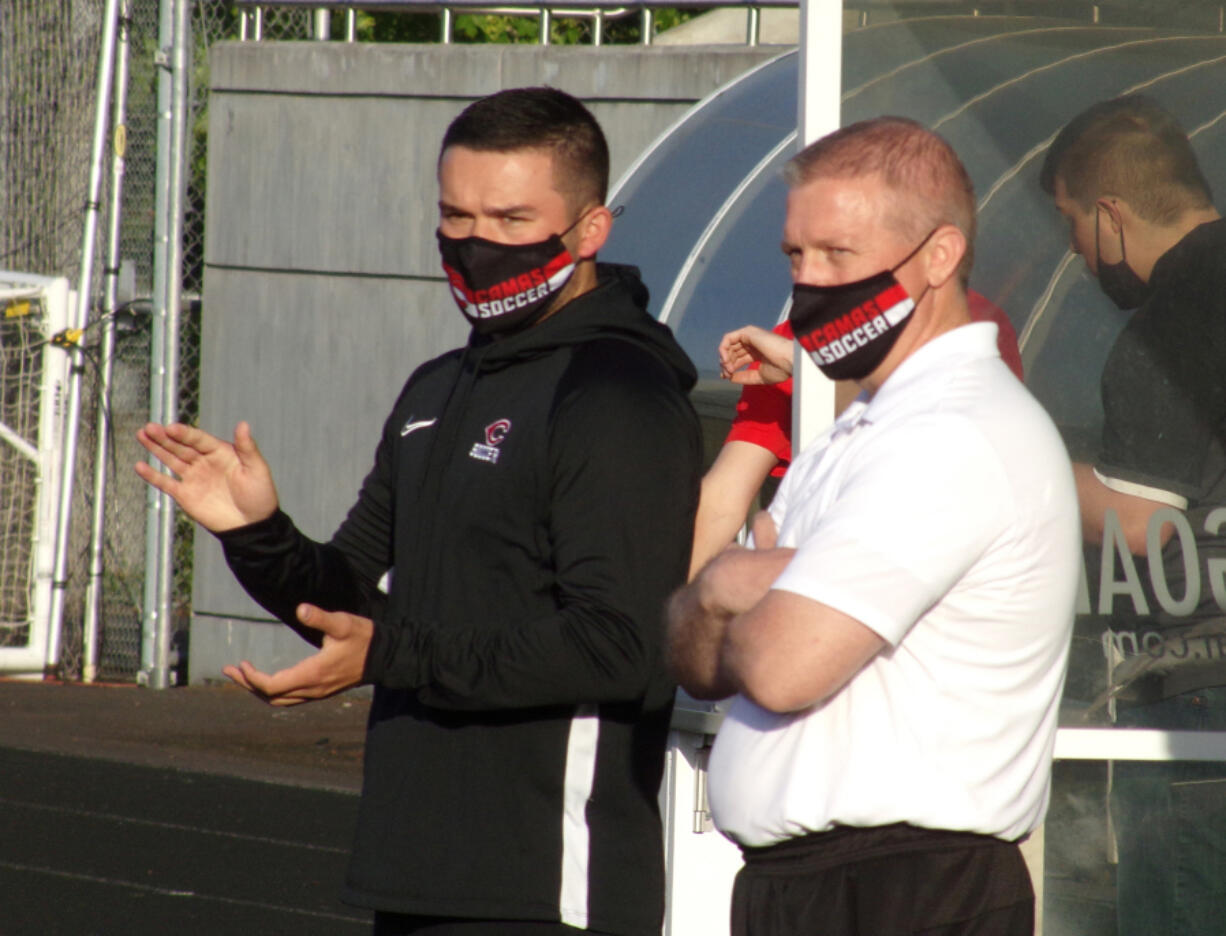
(789, 652)
(699, 616)
(280, 568)
(728, 490)
(715, 526)
(695, 639)
(578, 654)
(1096, 500)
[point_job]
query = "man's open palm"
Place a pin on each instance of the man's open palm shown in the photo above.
(218, 484)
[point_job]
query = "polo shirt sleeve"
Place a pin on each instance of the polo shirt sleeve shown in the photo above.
(1155, 439)
(983, 309)
(918, 506)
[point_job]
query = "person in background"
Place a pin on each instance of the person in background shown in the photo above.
(1139, 210)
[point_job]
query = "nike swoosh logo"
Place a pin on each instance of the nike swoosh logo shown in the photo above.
(411, 426)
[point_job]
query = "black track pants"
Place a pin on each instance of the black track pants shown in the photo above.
(895, 880)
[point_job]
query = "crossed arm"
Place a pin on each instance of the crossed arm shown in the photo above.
(729, 632)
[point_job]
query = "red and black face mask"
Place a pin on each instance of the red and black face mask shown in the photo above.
(849, 329)
(502, 288)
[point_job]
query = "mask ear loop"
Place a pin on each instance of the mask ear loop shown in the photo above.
(1098, 223)
(901, 263)
(918, 247)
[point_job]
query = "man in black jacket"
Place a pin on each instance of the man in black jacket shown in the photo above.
(531, 502)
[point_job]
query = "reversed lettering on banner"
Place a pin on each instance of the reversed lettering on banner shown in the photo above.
(1120, 579)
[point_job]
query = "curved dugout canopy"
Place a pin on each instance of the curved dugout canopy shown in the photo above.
(704, 207)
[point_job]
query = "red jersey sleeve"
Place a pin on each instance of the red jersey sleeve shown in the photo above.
(984, 310)
(764, 416)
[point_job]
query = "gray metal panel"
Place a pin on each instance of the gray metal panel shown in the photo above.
(323, 183)
(314, 363)
(217, 642)
(467, 71)
(322, 156)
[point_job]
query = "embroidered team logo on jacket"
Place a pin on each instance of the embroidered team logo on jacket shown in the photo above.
(488, 450)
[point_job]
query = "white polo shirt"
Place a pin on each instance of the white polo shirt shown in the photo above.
(941, 514)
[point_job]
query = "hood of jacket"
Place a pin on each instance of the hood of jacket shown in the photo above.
(616, 308)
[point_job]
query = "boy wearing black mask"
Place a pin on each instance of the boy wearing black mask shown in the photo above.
(1124, 176)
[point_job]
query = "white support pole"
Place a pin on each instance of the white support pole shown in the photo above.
(63, 524)
(93, 595)
(321, 27)
(159, 677)
(154, 501)
(1139, 744)
(820, 94)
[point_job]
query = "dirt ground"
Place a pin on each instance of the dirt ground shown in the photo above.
(218, 729)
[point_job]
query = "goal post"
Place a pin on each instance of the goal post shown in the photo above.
(33, 383)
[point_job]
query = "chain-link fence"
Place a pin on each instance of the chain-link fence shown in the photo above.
(49, 55)
(48, 60)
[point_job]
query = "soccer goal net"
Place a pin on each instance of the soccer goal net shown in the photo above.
(33, 381)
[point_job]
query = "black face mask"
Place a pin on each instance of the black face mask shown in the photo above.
(1119, 281)
(849, 329)
(503, 288)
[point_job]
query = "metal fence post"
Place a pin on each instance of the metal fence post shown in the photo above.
(154, 502)
(93, 594)
(321, 25)
(159, 677)
(106, 62)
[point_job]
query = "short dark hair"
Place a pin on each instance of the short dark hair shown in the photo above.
(926, 182)
(539, 118)
(1133, 148)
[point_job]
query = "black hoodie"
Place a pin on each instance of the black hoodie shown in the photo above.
(533, 499)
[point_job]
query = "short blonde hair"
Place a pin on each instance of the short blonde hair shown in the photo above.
(927, 185)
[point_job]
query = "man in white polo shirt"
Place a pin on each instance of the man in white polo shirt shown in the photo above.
(898, 651)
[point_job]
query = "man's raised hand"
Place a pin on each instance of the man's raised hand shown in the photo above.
(749, 344)
(218, 484)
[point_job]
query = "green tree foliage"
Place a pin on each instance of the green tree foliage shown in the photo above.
(507, 28)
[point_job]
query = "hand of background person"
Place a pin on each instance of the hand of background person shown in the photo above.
(218, 484)
(743, 346)
(336, 667)
(763, 529)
